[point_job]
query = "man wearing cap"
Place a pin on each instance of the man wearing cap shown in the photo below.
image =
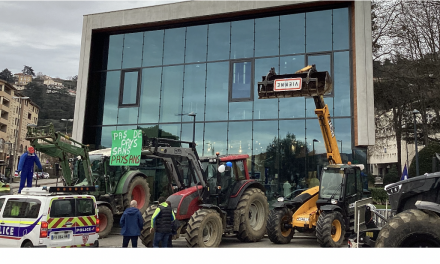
(26, 166)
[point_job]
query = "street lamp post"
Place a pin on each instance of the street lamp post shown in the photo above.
(20, 112)
(67, 121)
(194, 125)
(340, 151)
(415, 112)
(314, 156)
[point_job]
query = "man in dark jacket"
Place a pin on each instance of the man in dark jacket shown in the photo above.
(26, 166)
(131, 224)
(162, 223)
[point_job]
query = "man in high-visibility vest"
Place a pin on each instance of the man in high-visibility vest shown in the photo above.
(26, 166)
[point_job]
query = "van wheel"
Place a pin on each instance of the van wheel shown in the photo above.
(27, 244)
(105, 221)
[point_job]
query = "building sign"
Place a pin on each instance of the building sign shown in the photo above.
(126, 147)
(290, 84)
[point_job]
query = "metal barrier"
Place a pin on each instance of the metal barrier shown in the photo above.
(386, 213)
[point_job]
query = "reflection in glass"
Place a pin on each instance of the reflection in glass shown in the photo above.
(267, 108)
(293, 107)
(219, 41)
(323, 63)
(150, 95)
(132, 50)
(126, 127)
(128, 115)
(267, 36)
(292, 34)
(340, 29)
(171, 97)
(129, 94)
(150, 131)
(242, 39)
(111, 100)
(174, 46)
(106, 136)
(319, 31)
(240, 138)
(171, 131)
(187, 135)
(241, 80)
(343, 135)
(115, 52)
(196, 41)
(153, 48)
(194, 91)
(215, 138)
(217, 91)
(341, 83)
(317, 153)
(240, 110)
(264, 150)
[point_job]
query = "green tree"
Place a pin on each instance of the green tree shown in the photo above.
(425, 159)
(28, 70)
(7, 76)
(392, 176)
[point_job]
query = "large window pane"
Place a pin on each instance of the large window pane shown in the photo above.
(128, 115)
(217, 91)
(340, 29)
(196, 41)
(215, 138)
(106, 136)
(171, 95)
(130, 88)
(219, 41)
(170, 131)
(264, 108)
(292, 34)
(292, 151)
(264, 150)
(241, 80)
(343, 136)
(319, 31)
(240, 110)
(153, 48)
(174, 46)
(240, 138)
(242, 39)
(293, 107)
(194, 91)
(267, 36)
(187, 135)
(341, 83)
(323, 63)
(132, 54)
(111, 98)
(150, 131)
(317, 157)
(150, 95)
(115, 52)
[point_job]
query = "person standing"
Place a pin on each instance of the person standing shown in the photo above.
(131, 223)
(26, 166)
(162, 223)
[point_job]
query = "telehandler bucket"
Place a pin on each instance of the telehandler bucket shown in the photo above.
(303, 83)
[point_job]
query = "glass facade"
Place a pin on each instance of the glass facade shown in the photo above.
(212, 70)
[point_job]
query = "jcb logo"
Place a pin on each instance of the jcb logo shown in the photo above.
(177, 151)
(369, 234)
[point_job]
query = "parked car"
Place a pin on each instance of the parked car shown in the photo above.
(41, 175)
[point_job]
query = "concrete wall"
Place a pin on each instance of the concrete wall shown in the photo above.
(172, 13)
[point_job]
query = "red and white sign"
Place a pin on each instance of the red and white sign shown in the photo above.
(291, 84)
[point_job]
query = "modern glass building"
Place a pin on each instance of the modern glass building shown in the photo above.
(151, 67)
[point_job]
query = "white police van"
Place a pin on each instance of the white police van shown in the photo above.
(49, 217)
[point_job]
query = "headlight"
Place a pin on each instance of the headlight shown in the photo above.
(334, 201)
(280, 199)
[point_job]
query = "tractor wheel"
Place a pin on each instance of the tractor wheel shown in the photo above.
(146, 237)
(330, 229)
(138, 190)
(276, 230)
(411, 228)
(105, 221)
(253, 210)
(204, 229)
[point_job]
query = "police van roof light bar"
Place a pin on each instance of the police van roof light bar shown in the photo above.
(74, 189)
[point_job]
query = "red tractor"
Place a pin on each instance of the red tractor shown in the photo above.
(214, 196)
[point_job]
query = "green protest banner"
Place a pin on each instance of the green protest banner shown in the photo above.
(126, 147)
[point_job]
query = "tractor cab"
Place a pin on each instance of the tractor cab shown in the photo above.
(340, 186)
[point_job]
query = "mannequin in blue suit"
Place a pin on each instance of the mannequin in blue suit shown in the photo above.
(26, 166)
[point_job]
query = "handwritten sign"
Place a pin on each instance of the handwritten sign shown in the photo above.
(126, 147)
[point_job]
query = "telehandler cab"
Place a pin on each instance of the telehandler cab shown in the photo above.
(328, 208)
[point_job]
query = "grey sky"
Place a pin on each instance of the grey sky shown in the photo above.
(47, 35)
